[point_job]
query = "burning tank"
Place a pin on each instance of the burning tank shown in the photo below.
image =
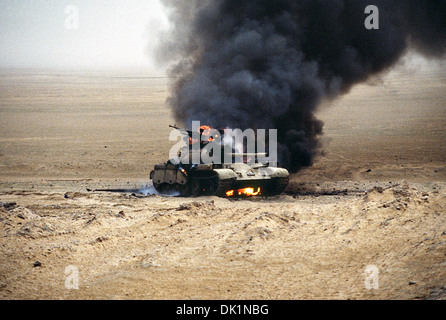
(244, 178)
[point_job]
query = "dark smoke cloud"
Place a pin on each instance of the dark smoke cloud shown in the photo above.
(269, 63)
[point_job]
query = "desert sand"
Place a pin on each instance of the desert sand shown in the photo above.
(375, 199)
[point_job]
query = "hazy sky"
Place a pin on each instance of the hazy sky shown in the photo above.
(79, 33)
(107, 33)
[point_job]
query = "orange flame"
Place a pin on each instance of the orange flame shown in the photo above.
(249, 192)
(205, 128)
(205, 131)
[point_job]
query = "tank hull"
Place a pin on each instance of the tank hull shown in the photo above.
(208, 180)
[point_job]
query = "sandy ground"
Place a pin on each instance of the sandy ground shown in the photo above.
(367, 221)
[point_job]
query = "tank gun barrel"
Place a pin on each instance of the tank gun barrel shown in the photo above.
(189, 133)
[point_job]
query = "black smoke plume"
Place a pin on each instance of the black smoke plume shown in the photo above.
(268, 64)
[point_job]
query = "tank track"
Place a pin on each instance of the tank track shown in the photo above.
(275, 187)
(224, 186)
(278, 186)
